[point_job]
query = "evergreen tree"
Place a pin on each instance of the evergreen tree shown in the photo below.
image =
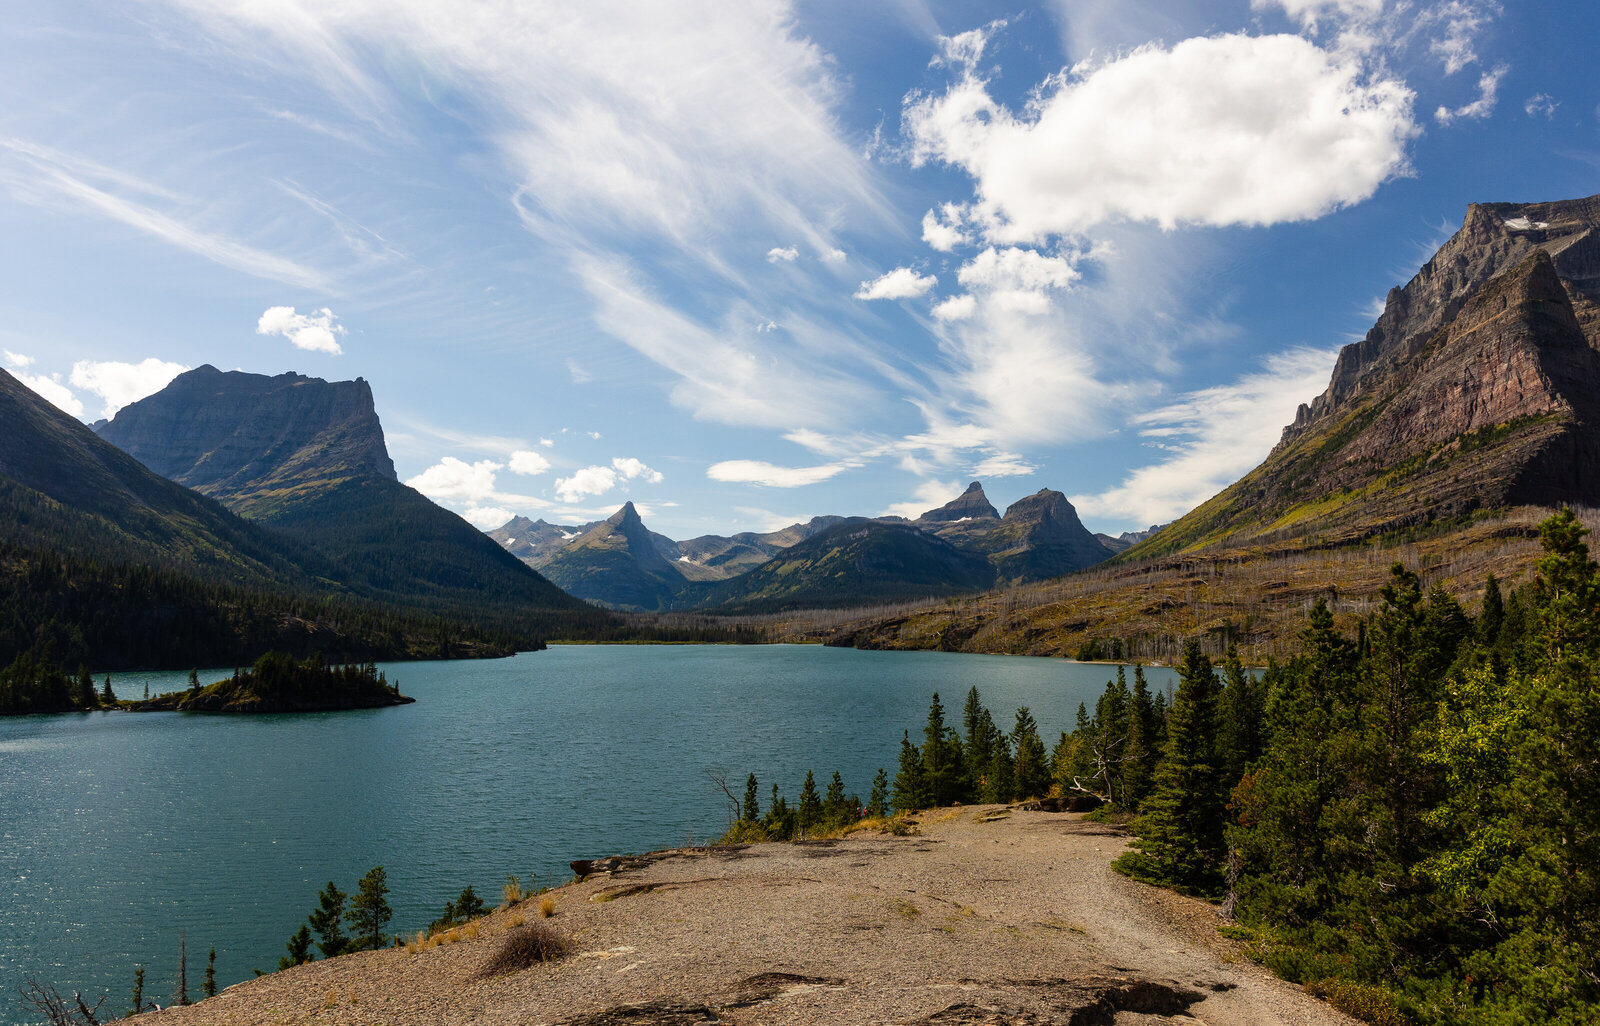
(836, 808)
(941, 758)
(208, 987)
(1180, 833)
(1492, 614)
(1144, 743)
(910, 784)
(369, 909)
(999, 787)
(1241, 710)
(878, 803)
(180, 996)
(808, 813)
(1030, 774)
(328, 922)
(138, 990)
(299, 949)
(108, 698)
(752, 808)
(84, 695)
(779, 823)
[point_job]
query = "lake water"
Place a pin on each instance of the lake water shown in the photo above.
(119, 830)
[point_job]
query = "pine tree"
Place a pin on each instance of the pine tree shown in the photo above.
(1492, 614)
(941, 758)
(808, 813)
(1180, 833)
(836, 808)
(108, 698)
(910, 785)
(208, 987)
(328, 922)
(752, 807)
(138, 990)
(1030, 775)
(180, 996)
(299, 947)
(878, 803)
(1240, 709)
(1000, 787)
(1144, 743)
(369, 909)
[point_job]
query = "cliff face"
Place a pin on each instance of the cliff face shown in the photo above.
(1479, 387)
(250, 440)
(619, 563)
(1039, 537)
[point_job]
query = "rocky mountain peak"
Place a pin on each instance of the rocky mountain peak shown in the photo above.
(970, 504)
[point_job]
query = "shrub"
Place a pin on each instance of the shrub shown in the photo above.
(1370, 1004)
(525, 947)
(547, 907)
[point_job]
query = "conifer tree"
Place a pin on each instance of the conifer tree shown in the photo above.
(369, 909)
(752, 808)
(108, 698)
(138, 989)
(299, 947)
(208, 987)
(1492, 614)
(808, 813)
(836, 808)
(941, 758)
(910, 786)
(1030, 775)
(999, 787)
(1241, 709)
(1144, 743)
(180, 996)
(878, 802)
(328, 922)
(1180, 832)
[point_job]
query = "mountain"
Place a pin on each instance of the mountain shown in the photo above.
(721, 558)
(1127, 539)
(105, 563)
(535, 541)
(1039, 536)
(1477, 389)
(307, 458)
(853, 563)
(618, 563)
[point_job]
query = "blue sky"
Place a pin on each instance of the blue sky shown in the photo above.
(745, 263)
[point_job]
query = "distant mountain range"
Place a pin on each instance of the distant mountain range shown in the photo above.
(963, 546)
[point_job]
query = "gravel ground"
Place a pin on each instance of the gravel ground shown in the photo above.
(991, 916)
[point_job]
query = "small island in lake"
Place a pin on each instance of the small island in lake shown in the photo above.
(278, 683)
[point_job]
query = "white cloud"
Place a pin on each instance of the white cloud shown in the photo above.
(588, 481)
(834, 256)
(632, 469)
(900, 283)
(50, 388)
(525, 462)
(1540, 105)
(17, 360)
(1004, 464)
(942, 229)
(1483, 106)
(119, 384)
(956, 308)
(486, 518)
(451, 478)
(1462, 21)
(1221, 130)
(45, 177)
(317, 331)
(1212, 437)
(547, 442)
(928, 495)
(1310, 12)
(786, 254)
(763, 473)
(580, 376)
(1020, 276)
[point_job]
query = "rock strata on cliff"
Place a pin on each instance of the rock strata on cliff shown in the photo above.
(1478, 388)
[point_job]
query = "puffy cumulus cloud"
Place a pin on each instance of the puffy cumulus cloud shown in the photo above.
(1221, 130)
(452, 478)
(547, 442)
(763, 473)
(593, 480)
(942, 228)
(1211, 438)
(1483, 106)
(900, 283)
(1017, 278)
(928, 495)
(834, 256)
(118, 384)
(1310, 13)
(523, 461)
(632, 469)
(316, 332)
(956, 308)
(50, 388)
(16, 360)
(784, 254)
(486, 518)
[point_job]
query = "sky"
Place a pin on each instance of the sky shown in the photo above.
(744, 263)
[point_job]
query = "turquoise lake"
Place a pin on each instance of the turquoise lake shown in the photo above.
(119, 830)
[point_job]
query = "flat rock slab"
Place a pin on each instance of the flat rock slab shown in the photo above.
(979, 920)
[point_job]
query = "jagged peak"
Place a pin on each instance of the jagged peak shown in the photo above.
(970, 504)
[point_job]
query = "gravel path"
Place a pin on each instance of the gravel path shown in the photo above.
(991, 916)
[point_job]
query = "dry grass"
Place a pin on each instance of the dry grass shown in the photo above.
(512, 891)
(441, 938)
(547, 907)
(525, 947)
